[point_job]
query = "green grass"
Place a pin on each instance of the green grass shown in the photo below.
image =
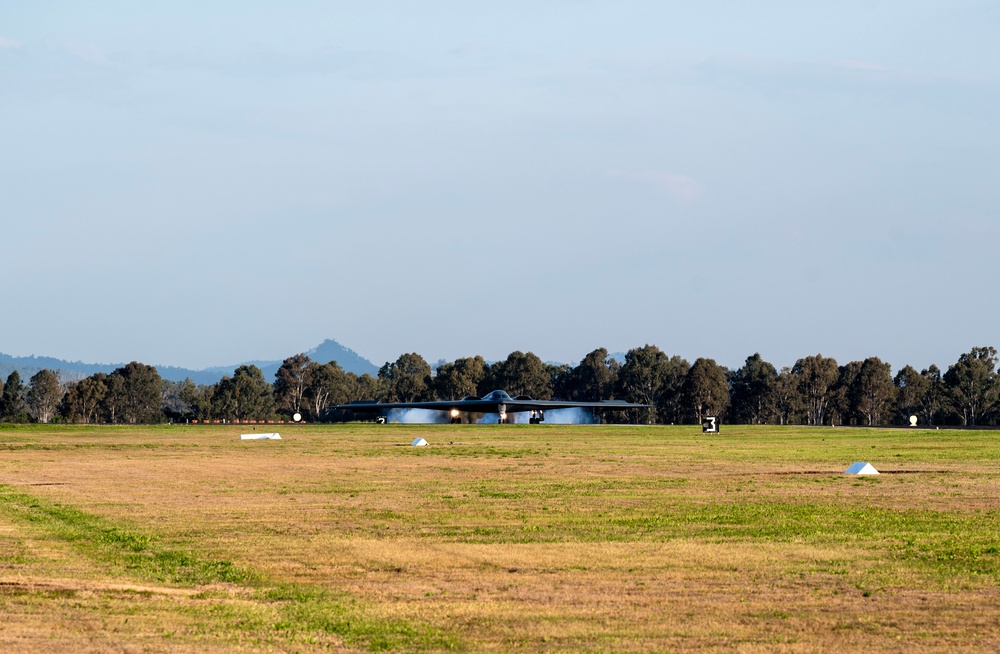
(139, 555)
(772, 503)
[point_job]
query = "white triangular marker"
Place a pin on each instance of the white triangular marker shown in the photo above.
(861, 468)
(419, 443)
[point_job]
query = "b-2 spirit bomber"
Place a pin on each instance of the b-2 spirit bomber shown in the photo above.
(498, 402)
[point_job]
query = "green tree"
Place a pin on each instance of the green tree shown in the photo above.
(911, 387)
(649, 376)
(706, 389)
(459, 378)
(175, 400)
(12, 406)
(198, 398)
(291, 382)
(875, 392)
(44, 394)
(82, 401)
(328, 385)
(842, 405)
(113, 403)
(363, 387)
(816, 375)
(521, 374)
(753, 391)
(788, 404)
(593, 380)
(934, 400)
(972, 384)
(244, 396)
(139, 395)
(407, 379)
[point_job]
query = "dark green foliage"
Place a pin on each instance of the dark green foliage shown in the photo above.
(874, 393)
(83, 399)
(911, 388)
(706, 390)
(291, 383)
(133, 394)
(244, 396)
(815, 391)
(328, 385)
(519, 374)
(12, 405)
(593, 380)
(460, 378)
(44, 394)
(816, 377)
(649, 376)
(754, 392)
(972, 385)
(407, 379)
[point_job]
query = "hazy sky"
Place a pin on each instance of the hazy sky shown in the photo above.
(203, 183)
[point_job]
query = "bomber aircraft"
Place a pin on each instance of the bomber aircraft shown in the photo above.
(498, 402)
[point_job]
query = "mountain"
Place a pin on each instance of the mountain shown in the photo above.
(328, 350)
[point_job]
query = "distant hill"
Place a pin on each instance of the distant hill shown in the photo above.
(328, 350)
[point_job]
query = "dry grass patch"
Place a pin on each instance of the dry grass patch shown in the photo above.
(538, 538)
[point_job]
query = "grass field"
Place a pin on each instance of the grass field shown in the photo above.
(498, 538)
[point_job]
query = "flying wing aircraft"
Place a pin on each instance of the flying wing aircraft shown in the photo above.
(498, 402)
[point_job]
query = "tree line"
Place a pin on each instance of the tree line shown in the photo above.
(815, 391)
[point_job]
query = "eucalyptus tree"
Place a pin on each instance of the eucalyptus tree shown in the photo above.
(649, 376)
(842, 407)
(328, 385)
(113, 402)
(789, 407)
(291, 382)
(934, 399)
(972, 385)
(816, 375)
(753, 391)
(706, 389)
(44, 394)
(12, 407)
(198, 398)
(363, 387)
(519, 374)
(911, 387)
(407, 379)
(592, 380)
(244, 396)
(138, 396)
(459, 378)
(874, 393)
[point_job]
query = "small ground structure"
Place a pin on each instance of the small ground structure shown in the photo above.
(861, 468)
(260, 437)
(419, 442)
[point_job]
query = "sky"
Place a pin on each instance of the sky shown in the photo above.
(199, 184)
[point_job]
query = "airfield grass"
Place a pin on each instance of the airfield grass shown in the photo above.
(498, 538)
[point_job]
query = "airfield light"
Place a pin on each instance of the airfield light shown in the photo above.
(454, 413)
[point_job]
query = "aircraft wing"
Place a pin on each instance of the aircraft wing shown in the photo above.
(512, 405)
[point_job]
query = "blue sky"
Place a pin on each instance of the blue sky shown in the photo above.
(199, 185)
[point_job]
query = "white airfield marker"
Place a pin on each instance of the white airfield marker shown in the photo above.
(419, 443)
(260, 437)
(861, 468)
